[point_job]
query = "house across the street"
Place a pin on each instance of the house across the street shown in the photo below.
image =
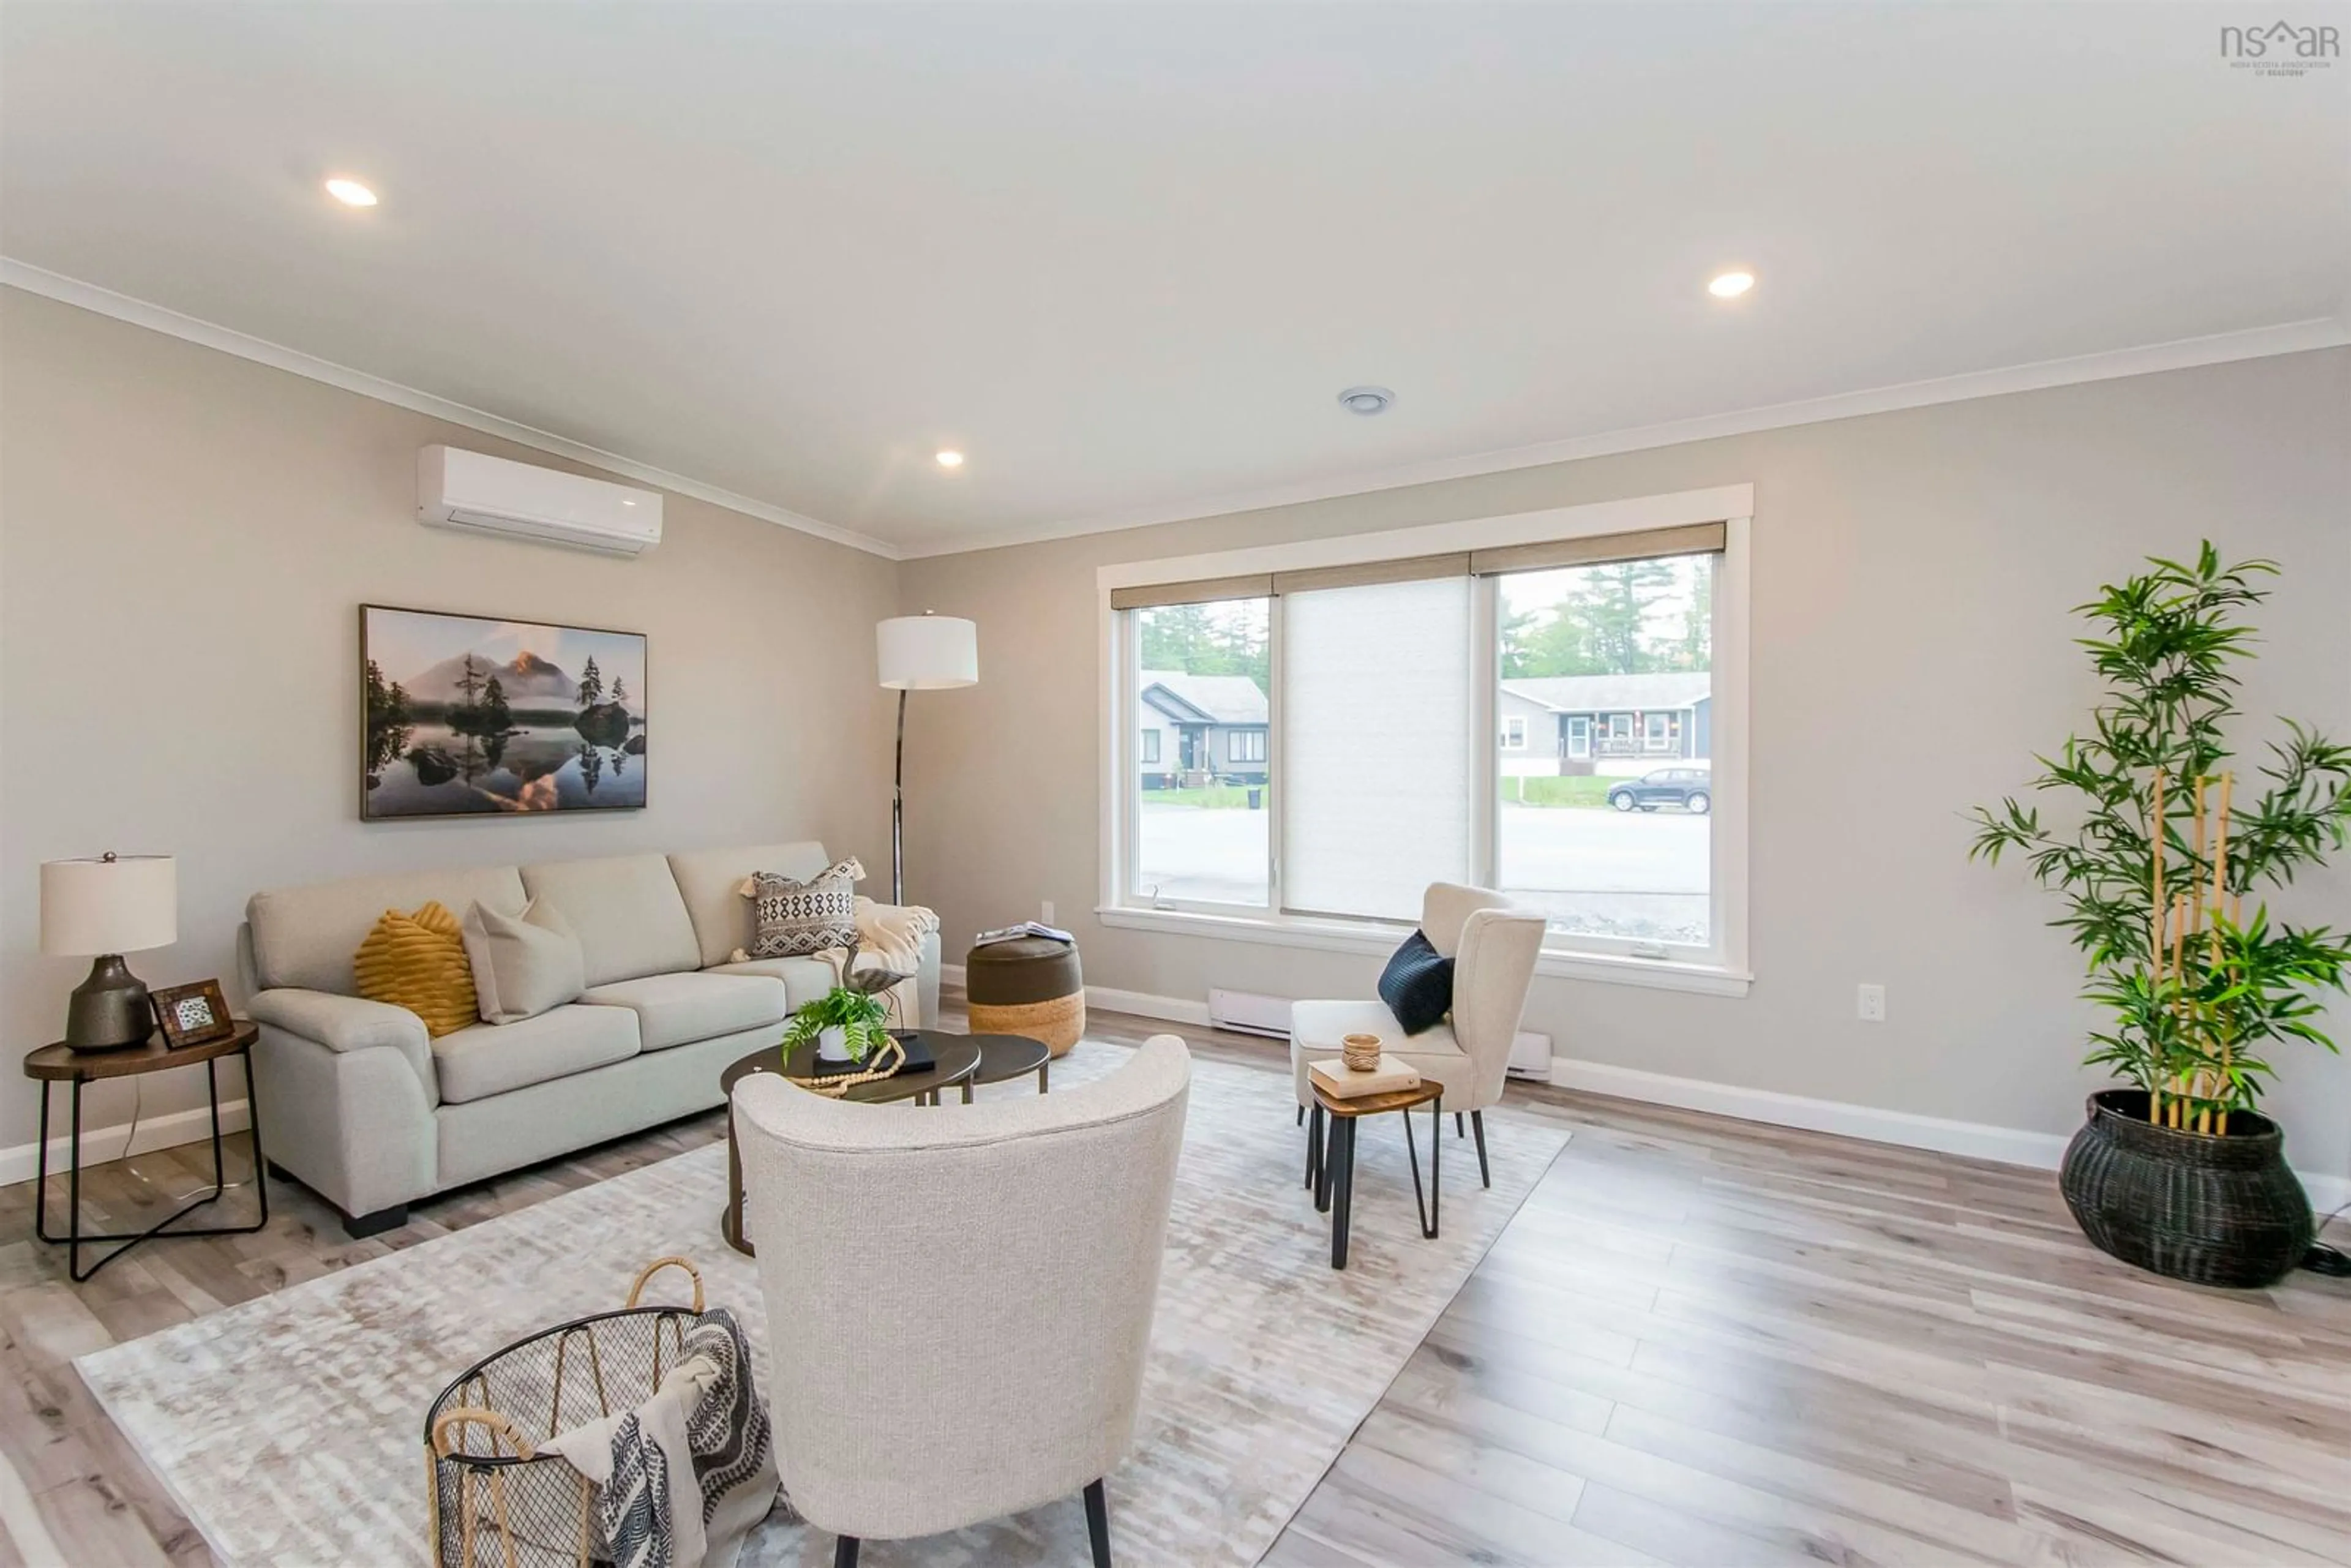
(1604, 723)
(1199, 730)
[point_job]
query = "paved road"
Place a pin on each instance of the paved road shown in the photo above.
(1638, 873)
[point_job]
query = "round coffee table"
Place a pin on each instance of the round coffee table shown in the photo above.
(958, 1058)
(1002, 1058)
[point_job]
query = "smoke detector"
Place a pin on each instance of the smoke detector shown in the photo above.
(1366, 401)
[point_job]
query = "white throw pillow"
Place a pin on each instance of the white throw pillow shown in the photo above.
(523, 965)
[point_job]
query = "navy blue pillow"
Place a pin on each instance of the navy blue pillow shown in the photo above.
(1417, 985)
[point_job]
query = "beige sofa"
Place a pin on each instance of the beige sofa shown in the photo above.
(360, 1105)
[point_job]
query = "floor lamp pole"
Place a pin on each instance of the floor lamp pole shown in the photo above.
(898, 810)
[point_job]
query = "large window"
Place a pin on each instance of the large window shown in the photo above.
(1201, 834)
(1616, 843)
(1541, 716)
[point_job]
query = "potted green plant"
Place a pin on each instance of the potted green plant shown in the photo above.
(847, 1023)
(2181, 1173)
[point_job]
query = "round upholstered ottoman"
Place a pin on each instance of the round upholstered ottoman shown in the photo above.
(1028, 986)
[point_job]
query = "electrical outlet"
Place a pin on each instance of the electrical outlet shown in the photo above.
(1049, 912)
(1869, 1004)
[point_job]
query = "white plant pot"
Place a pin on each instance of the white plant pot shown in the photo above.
(832, 1044)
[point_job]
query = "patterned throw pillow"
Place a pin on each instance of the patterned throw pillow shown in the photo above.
(791, 919)
(418, 962)
(1417, 985)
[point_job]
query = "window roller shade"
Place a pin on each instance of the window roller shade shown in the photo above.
(1690, 538)
(1203, 592)
(1372, 573)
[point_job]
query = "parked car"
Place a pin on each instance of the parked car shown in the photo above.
(1692, 788)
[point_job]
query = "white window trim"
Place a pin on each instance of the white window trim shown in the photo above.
(1656, 732)
(1233, 738)
(1515, 732)
(1149, 755)
(1725, 973)
(1579, 737)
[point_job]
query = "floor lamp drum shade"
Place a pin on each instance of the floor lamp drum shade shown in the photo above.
(927, 652)
(100, 909)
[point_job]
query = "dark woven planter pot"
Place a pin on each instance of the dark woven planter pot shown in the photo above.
(2192, 1206)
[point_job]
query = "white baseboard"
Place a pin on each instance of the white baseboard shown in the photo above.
(1977, 1140)
(100, 1144)
(1143, 1005)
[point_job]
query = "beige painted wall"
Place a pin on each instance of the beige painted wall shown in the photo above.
(185, 540)
(1912, 577)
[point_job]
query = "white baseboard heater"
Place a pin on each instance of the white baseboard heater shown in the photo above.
(1249, 1013)
(1531, 1055)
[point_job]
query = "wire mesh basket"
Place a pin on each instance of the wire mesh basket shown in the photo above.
(495, 1500)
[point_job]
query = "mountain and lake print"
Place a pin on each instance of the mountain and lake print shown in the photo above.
(466, 716)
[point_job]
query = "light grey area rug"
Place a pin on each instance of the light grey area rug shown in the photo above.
(289, 1427)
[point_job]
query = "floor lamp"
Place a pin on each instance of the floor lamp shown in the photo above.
(919, 653)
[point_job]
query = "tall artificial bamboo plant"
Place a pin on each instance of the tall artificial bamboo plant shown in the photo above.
(2156, 871)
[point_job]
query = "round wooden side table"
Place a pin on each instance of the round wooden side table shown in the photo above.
(60, 1063)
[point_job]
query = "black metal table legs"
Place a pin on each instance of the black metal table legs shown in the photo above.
(75, 1237)
(1330, 1170)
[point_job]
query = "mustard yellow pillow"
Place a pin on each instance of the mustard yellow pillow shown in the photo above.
(418, 962)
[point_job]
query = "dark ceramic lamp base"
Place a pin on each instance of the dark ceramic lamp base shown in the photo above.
(111, 1009)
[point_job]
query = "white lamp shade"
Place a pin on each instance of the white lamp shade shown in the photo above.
(926, 653)
(121, 906)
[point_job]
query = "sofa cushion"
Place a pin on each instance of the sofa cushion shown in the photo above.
(805, 980)
(678, 1009)
(793, 917)
(523, 965)
(305, 936)
(626, 912)
(1417, 985)
(492, 1057)
(711, 880)
(418, 962)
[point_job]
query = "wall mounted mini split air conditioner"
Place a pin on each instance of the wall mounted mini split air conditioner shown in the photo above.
(475, 493)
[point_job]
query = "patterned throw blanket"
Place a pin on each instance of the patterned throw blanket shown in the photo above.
(682, 1479)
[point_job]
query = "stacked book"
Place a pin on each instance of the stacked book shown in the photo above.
(1026, 928)
(1339, 1080)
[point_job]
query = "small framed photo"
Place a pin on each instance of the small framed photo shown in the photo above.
(192, 1014)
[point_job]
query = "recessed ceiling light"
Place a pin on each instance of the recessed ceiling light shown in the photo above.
(950, 459)
(1366, 401)
(350, 192)
(1731, 284)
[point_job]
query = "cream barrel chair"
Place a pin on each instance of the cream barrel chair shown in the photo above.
(959, 1299)
(1493, 942)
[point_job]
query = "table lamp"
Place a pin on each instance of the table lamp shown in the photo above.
(100, 909)
(919, 653)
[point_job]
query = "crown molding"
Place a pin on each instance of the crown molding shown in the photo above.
(2185, 353)
(245, 346)
(2260, 342)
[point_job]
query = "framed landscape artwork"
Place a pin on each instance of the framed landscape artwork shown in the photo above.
(463, 715)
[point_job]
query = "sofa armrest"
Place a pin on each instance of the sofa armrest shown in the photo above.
(347, 1024)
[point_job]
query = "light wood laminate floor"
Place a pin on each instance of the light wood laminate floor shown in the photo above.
(1701, 1342)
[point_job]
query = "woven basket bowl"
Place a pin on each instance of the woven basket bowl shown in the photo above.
(2190, 1206)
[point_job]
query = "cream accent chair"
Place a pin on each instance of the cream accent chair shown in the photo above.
(1493, 942)
(959, 1301)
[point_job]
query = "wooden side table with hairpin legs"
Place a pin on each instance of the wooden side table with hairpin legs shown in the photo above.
(62, 1064)
(1331, 1171)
